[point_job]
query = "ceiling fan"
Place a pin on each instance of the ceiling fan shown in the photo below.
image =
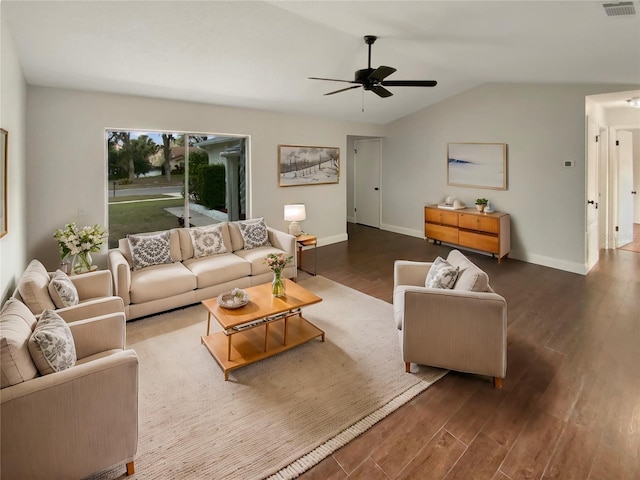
(374, 78)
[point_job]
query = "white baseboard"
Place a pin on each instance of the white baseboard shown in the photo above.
(402, 230)
(343, 237)
(557, 263)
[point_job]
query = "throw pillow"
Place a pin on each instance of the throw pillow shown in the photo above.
(148, 250)
(207, 241)
(441, 274)
(62, 290)
(254, 234)
(51, 344)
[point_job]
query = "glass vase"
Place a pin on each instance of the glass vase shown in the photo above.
(82, 262)
(277, 286)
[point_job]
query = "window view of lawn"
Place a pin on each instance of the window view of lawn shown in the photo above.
(147, 181)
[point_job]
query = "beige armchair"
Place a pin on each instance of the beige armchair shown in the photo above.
(95, 291)
(462, 329)
(74, 422)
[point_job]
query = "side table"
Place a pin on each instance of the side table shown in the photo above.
(305, 240)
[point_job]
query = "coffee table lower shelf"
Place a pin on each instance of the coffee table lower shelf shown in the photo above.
(255, 344)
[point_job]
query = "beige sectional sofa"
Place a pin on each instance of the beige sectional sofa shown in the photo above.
(186, 279)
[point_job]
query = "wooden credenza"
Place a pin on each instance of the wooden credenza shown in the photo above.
(468, 228)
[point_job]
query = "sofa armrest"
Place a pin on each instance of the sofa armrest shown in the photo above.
(283, 241)
(99, 334)
(93, 284)
(91, 308)
(406, 272)
(94, 404)
(121, 273)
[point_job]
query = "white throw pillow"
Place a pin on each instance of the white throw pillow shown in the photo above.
(148, 250)
(51, 344)
(254, 234)
(441, 274)
(207, 241)
(62, 290)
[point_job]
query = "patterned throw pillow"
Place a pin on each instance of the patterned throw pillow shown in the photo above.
(51, 344)
(62, 290)
(148, 250)
(441, 274)
(254, 234)
(207, 241)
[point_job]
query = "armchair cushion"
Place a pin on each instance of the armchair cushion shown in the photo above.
(34, 288)
(470, 278)
(16, 325)
(441, 274)
(51, 344)
(62, 290)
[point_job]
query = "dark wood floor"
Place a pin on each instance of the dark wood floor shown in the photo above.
(570, 406)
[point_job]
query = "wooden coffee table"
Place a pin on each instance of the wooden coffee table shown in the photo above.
(262, 328)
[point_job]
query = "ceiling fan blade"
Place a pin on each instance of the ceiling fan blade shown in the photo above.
(409, 83)
(381, 91)
(343, 90)
(381, 73)
(332, 80)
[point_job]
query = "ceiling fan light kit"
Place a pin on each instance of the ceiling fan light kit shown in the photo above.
(373, 79)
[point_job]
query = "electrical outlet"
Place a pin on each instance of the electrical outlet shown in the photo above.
(568, 163)
(83, 212)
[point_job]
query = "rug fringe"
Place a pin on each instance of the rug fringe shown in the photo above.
(315, 456)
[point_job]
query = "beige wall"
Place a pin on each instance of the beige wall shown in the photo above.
(543, 125)
(13, 246)
(67, 170)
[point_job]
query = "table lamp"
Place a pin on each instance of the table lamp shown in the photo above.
(295, 213)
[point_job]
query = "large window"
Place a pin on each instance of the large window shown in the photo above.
(157, 179)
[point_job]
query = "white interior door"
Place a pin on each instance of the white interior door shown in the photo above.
(592, 242)
(367, 182)
(624, 149)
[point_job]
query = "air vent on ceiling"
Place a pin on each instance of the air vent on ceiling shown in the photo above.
(619, 8)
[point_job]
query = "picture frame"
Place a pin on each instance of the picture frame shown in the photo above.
(307, 165)
(4, 136)
(477, 165)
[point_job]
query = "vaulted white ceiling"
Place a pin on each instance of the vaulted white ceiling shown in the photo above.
(259, 54)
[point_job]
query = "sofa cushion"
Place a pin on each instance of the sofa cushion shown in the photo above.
(217, 269)
(160, 281)
(51, 344)
(149, 250)
(441, 274)
(16, 324)
(470, 278)
(62, 290)
(174, 245)
(186, 244)
(254, 234)
(254, 230)
(34, 288)
(207, 241)
(256, 257)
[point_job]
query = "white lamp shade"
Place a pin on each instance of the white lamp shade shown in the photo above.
(295, 212)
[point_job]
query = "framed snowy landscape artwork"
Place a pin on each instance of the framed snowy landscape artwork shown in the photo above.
(480, 165)
(302, 165)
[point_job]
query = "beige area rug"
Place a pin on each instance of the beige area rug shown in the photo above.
(277, 417)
